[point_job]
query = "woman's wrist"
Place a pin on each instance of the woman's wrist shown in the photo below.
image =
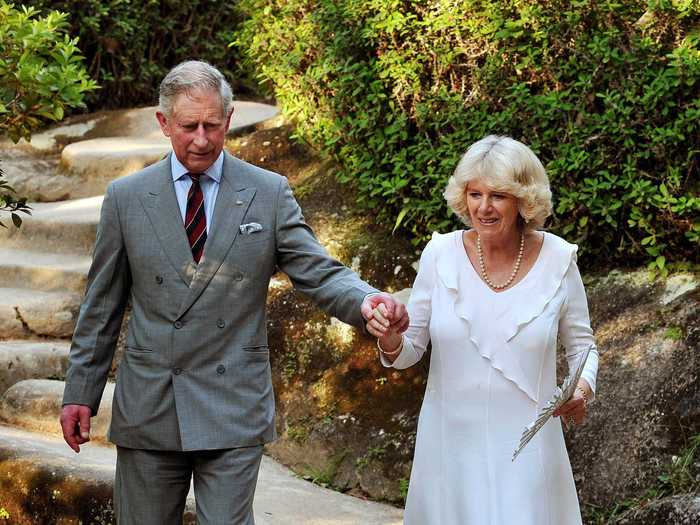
(585, 390)
(395, 351)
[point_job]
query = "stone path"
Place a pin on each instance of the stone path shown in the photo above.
(280, 498)
(43, 272)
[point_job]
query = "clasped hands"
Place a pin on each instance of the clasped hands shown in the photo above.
(384, 315)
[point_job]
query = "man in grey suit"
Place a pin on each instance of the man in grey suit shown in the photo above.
(193, 241)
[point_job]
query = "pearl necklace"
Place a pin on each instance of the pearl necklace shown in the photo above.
(516, 266)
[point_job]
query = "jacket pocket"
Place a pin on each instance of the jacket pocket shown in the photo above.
(257, 351)
(138, 349)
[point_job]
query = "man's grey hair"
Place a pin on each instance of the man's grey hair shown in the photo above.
(193, 75)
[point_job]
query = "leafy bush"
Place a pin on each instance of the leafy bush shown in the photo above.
(130, 46)
(41, 74)
(396, 90)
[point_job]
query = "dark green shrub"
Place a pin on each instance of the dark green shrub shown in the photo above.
(130, 46)
(396, 91)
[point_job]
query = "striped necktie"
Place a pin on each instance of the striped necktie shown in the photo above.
(195, 220)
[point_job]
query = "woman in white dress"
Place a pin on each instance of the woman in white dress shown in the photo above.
(492, 300)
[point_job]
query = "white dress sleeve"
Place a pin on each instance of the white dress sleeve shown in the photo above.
(416, 338)
(575, 326)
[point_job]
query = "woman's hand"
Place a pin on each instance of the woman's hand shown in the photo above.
(574, 411)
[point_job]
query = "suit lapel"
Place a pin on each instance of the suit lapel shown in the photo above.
(232, 203)
(160, 204)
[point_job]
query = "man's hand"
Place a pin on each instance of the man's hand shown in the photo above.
(75, 422)
(396, 312)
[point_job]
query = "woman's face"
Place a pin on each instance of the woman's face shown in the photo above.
(494, 214)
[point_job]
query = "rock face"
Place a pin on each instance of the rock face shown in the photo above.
(648, 400)
(674, 510)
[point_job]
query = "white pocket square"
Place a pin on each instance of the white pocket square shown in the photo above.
(250, 227)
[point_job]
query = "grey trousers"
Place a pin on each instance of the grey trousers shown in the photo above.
(151, 486)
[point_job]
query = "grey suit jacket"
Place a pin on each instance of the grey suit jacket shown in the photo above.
(196, 371)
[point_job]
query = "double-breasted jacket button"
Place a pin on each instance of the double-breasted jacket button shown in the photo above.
(220, 369)
(220, 323)
(177, 371)
(159, 279)
(178, 324)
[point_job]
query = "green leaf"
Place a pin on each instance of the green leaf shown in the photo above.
(399, 219)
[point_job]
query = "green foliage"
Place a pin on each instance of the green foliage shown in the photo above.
(682, 475)
(403, 488)
(41, 76)
(10, 202)
(674, 333)
(395, 92)
(130, 46)
(41, 72)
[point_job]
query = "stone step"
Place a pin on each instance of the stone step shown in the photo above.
(41, 473)
(66, 227)
(26, 313)
(21, 360)
(97, 162)
(35, 177)
(35, 404)
(43, 271)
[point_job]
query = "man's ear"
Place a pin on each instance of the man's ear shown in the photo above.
(163, 123)
(228, 120)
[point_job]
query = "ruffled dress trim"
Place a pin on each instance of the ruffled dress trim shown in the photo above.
(515, 307)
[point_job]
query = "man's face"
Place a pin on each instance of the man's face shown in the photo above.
(197, 128)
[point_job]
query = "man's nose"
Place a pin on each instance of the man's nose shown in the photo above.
(200, 137)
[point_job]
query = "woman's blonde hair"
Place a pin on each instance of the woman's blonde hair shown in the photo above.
(506, 165)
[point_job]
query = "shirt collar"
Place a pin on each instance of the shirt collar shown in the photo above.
(213, 172)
